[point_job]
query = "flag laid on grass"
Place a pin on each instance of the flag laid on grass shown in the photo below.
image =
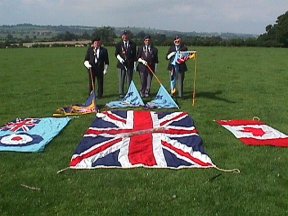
(30, 134)
(254, 132)
(79, 109)
(131, 99)
(162, 100)
(127, 139)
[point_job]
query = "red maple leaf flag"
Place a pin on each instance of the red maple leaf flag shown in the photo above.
(254, 132)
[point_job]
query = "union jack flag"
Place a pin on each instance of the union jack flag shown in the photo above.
(127, 139)
(20, 125)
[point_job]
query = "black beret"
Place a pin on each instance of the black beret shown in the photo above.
(125, 32)
(147, 37)
(177, 37)
(96, 39)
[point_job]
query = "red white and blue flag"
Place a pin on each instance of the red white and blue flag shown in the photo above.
(30, 134)
(127, 139)
(255, 133)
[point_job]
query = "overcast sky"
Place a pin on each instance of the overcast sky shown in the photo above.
(235, 16)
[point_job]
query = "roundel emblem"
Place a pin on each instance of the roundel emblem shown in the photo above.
(19, 139)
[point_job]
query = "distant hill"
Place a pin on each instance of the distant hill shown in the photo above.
(49, 31)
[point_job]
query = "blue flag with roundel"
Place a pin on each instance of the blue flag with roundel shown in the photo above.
(162, 100)
(30, 134)
(131, 99)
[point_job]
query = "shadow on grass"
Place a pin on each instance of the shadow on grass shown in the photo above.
(210, 95)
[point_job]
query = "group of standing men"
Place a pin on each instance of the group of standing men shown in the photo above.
(145, 60)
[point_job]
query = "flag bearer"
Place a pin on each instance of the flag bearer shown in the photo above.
(96, 61)
(177, 71)
(147, 55)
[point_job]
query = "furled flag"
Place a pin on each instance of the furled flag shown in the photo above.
(79, 109)
(128, 139)
(180, 58)
(131, 99)
(183, 56)
(30, 134)
(254, 132)
(162, 100)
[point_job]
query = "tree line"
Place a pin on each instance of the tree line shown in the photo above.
(275, 36)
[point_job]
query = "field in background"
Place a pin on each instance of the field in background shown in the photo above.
(232, 83)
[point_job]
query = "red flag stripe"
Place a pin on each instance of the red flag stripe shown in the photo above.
(281, 142)
(113, 117)
(182, 114)
(78, 159)
(187, 155)
(141, 147)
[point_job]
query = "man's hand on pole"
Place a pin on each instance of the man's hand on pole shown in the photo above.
(142, 61)
(87, 64)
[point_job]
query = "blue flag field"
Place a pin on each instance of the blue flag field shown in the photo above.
(30, 134)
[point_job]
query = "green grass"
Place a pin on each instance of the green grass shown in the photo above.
(232, 83)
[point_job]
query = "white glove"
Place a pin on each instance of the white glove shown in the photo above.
(87, 64)
(121, 60)
(170, 55)
(142, 61)
(135, 66)
(105, 69)
(156, 65)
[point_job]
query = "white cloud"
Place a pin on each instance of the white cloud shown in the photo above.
(246, 16)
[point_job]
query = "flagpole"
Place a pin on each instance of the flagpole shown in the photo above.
(194, 84)
(93, 88)
(154, 74)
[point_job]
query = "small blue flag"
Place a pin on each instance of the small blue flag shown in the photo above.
(30, 134)
(162, 100)
(131, 99)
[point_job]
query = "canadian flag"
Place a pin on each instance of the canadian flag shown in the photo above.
(254, 132)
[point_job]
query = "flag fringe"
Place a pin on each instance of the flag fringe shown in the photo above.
(228, 170)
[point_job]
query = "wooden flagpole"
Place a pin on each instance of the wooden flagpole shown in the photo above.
(194, 83)
(154, 74)
(93, 88)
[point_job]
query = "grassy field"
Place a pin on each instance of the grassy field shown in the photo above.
(232, 83)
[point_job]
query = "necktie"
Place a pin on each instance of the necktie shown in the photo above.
(96, 55)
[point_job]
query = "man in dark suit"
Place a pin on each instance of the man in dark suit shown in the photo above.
(147, 57)
(125, 52)
(177, 71)
(96, 61)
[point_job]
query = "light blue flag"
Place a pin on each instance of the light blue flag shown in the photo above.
(162, 100)
(30, 134)
(131, 99)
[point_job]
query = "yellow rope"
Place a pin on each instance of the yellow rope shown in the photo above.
(228, 170)
(62, 170)
(256, 118)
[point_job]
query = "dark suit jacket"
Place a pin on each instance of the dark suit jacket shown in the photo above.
(101, 61)
(182, 67)
(128, 55)
(152, 58)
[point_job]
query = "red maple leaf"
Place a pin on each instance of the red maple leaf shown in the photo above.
(254, 131)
